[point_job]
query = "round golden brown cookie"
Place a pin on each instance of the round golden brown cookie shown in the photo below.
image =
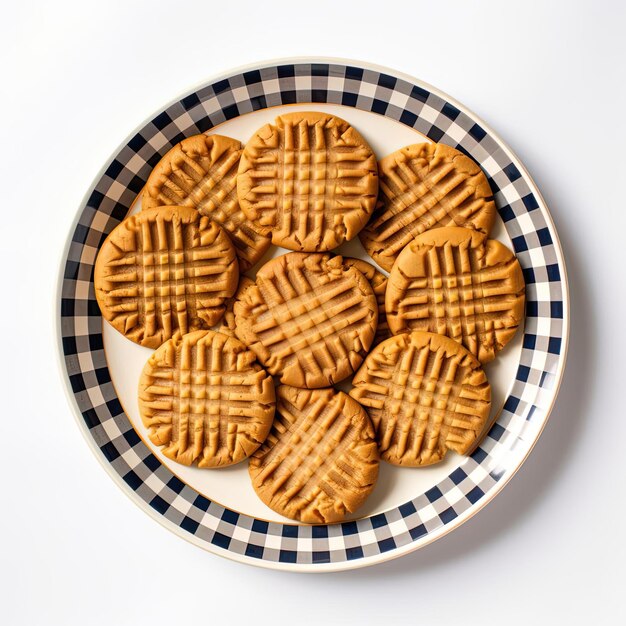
(309, 319)
(310, 180)
(206, 400)
(378, 281)
(456, 282)
(423, 186)
(319, 462)
(201, 172)
(426, 394)
(162, 271)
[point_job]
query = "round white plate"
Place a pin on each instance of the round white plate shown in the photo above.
(218, 509)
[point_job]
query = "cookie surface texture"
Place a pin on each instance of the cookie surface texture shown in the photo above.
(309, 180)
(425, 394)
(227, 324)
(320, 461)
(309, 320)
(458, 283)
(165, 270)
(201, 172)
(425, 186)
(206, 400)
(378, 281)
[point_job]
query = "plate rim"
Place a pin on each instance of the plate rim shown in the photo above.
(365, 561)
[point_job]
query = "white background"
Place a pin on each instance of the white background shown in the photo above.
(78, 77)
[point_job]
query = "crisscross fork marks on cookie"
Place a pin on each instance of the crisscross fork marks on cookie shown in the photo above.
(211, 189)
(206, 400)
(319, 460)
(469, 290)
(309, 172)
(214, 194)
(163, 273)
(201, 172)
(444, 197)
(311, 181)
(147, 271)
(164, 270)
(424, 396)
(454, 294)
(424, 387)
(156, 272)
(307, 446)
(378, 282)
(308, 319)
(426, 186)
(302, 187)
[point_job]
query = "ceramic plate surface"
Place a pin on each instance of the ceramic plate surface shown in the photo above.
(218, 509)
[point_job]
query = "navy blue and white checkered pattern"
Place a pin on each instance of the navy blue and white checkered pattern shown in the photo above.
(430, 514)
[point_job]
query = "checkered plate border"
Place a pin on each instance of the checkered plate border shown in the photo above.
(429, 515)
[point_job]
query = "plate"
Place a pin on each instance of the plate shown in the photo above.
(218, 509)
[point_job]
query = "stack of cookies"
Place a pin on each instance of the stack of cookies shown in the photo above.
(245, 366)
